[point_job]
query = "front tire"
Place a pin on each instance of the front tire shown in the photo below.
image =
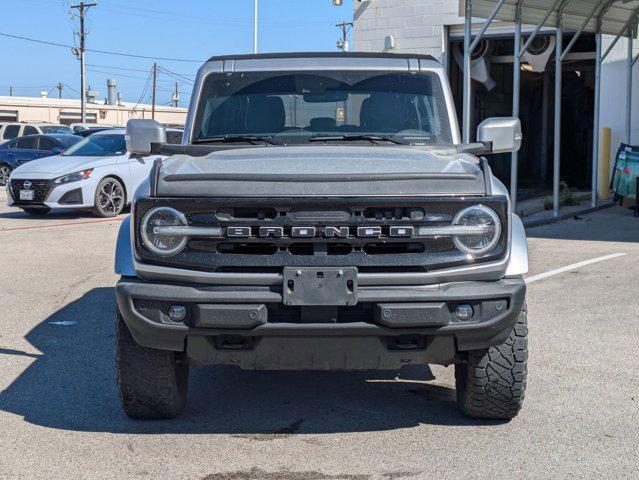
(492, 383)
(110, 198)
(5, 171)
(153, 383)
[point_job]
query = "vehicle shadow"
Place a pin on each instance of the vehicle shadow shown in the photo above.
(55, 214)
(72, 386)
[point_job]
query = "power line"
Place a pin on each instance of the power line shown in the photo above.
(93, 50)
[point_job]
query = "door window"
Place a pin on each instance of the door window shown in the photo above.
(47, 144)
(11, 131)
(27, 143)
(29, 130)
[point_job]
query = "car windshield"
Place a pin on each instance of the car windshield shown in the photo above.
(101, 145)
(68, 140)
(55, 129)
(296, 107)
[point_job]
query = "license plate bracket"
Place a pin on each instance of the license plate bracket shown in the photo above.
(306, 286)
(26, 194)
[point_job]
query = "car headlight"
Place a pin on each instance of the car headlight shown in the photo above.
(160, 242)
(488, 225)
(74, 177)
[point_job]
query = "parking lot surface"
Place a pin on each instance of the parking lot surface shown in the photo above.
(60, 416)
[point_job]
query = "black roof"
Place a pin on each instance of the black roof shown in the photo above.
(255, 56)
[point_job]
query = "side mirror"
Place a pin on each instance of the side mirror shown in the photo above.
(140, 134)
(504, 133)
(56, 150)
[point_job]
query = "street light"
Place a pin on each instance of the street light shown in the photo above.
(337, 3)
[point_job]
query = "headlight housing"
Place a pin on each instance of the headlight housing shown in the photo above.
(74, 177)
(162, 243)
(477, 216)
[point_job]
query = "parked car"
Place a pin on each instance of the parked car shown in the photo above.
(96, 173)
(90, 131)
(285, 234)
(31, 147)
(81, 127)
(11, 130)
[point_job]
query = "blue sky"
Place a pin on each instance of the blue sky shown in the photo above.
(189, 29)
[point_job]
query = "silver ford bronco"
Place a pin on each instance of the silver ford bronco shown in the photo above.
(322, 213)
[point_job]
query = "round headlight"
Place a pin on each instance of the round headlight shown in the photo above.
(487, 226)
(162, 243)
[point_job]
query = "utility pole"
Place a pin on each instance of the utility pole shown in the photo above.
(176, 96)
(254, 26)
(59, 87)
(155, 76)
(82, 9)
(343, 43)
(11, 90)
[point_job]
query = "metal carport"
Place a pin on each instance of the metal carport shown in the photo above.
(609, 17)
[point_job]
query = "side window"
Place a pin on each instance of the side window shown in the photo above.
(27, 143)
(11, 131)
(29, 130)
(46, 144)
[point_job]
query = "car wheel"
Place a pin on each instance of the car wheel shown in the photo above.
(5, 171)
(109, 198)
(36, 211)
(492, 383)
(153, 383)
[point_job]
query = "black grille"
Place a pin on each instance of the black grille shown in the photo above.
(40, 187)
(379, 253)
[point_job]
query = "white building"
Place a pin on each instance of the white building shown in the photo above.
(434, 27)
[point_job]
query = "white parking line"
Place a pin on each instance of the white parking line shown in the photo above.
(574, 266)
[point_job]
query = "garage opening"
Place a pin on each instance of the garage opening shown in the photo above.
(492, 72)
(8, 115)
(67, 118)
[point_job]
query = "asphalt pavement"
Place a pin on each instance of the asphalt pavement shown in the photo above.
(60, 416)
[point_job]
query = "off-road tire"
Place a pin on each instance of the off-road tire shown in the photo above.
(492, 383)
(153, 383)
(36, 211)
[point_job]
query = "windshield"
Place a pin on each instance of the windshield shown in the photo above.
(67, 141)
(293, 107)
(99, 145)
(53, 129)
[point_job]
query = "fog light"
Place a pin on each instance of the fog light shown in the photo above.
(177, 313)
(464, 312)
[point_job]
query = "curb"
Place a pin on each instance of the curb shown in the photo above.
(536, 222)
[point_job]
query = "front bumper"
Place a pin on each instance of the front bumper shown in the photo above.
(72, 195)
(390, 326)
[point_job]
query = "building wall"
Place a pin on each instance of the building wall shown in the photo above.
(49, 110)
(613, 93)
(418, 27)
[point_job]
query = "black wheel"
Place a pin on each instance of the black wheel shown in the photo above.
(109, 198)
(36, 211)
(153, 383)
(5, 171)
(492, 383)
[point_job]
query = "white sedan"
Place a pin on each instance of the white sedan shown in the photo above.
(96, 173)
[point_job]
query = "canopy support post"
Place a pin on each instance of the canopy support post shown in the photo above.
(516, 100)
(466, 122)
(631, 32)
(557, 139)
(595, 136)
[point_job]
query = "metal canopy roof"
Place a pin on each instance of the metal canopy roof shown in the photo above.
(614, 14)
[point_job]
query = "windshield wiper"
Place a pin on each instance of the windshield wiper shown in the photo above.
(237, 138)
(354, 137)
